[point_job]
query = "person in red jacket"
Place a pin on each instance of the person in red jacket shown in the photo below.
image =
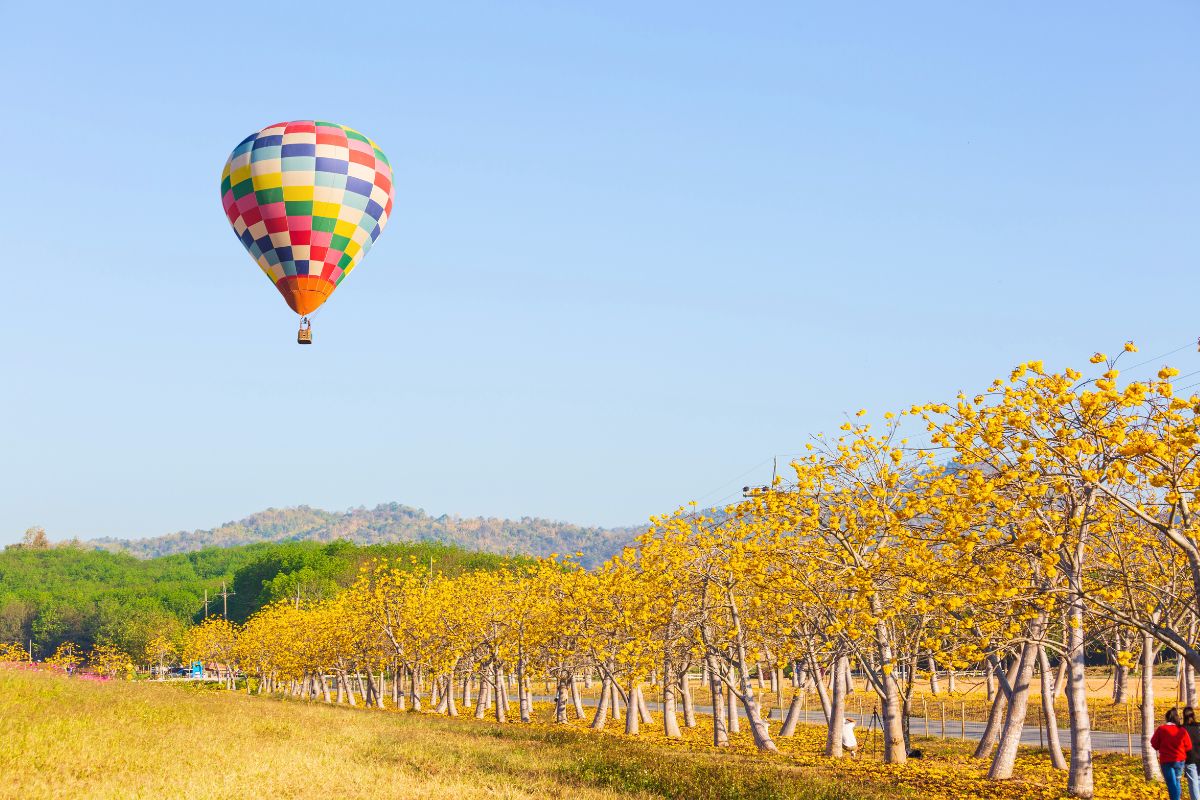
(1172, 742)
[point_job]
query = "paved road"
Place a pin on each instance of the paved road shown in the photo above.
(1102, 741)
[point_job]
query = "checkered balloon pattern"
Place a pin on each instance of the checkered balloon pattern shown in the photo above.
(307, 199)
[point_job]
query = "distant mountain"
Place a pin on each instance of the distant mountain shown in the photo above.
(391, 522)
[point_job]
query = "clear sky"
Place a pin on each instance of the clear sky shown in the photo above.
(637, 248)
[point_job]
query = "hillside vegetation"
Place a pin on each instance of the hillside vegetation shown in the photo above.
(51, 595)
(391, 523)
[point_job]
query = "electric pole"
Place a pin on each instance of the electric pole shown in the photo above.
(206, 603)
(225, 600)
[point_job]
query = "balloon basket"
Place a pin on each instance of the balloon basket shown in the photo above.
(304, 335)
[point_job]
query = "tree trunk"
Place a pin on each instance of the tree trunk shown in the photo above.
(481, 702)
(442, 703)
(1080, 780)
(576, 697)
(793, 717)
(1120, 693)
(1018, 702)
(324, 687)
(632, 717)
(643, 709)
(524, 698)
(670, 686)
(991, 730)
(1056, 756)
(501, 704)
(502, 694)
(720, 727)
(560, 700)
(836, 717)
(819, 684)
(935, 687)
(601, 715)
(451, 706)
(1189, 671)
(689, 707)
(1151, 770)
(889, 697)
(758, 726)
(733, 719)
(414, 691)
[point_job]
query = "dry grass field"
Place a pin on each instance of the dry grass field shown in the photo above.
(69, 738)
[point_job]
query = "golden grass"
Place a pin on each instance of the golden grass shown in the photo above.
(67, 738)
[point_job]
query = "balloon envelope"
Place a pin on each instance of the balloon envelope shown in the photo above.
(307, 200)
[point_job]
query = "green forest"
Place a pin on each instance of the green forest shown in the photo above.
(72, 593)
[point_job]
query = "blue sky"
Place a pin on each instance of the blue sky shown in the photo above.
(637, 248)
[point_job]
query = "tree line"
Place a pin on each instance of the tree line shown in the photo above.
(1008, 531)
(67, 593)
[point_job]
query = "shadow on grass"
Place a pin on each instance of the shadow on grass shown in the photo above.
(672, 777)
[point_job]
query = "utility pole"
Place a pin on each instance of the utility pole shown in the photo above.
(225, 600)
(206, 603)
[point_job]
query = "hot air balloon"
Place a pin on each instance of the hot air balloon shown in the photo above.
(307, 200)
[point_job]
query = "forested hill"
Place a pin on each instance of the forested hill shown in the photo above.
(53, 594)
(388, 523)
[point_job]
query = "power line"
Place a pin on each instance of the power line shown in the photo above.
(1153, 359)
(1164, 355)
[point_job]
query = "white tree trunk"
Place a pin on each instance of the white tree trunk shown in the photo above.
(632, 717)
(1080, 780)
(689, 707)
(577, 698)
(501, 702)
(720, 725)
(670, 686)
(1018, 702)
(1151, 770)
(836, 718)
(601, 715)
(819, 684)
(1052, 740)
